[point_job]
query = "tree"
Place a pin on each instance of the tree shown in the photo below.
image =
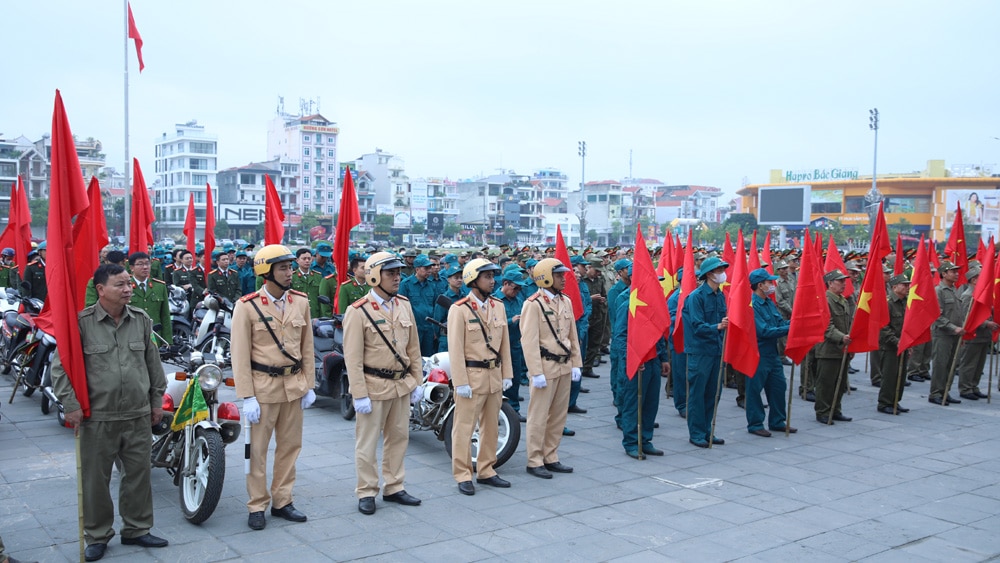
(616, 232)
(745, 221)
(591, 235)
(510, 235)
(418, 228)
(383, 225)
(39, 211)
(310, 219)
(221, 229)
(451, 229)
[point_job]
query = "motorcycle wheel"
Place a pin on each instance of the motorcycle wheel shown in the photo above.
(347, 407)
(46, 380)
(200, 491)
(45, 404)
(218, 346)
(508, 435)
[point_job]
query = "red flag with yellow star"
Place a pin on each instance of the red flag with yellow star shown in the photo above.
(873, 309)
(648, 317)
(665, 268)
(810, 314)
(835, 262)
(900, 264)
(955, 249)
(982, 296)
(921, 305)
(689, 283)
(741, 337)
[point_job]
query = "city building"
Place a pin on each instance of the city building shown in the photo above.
(306, 147)
(440, 204)
(186, 162)
(242, 194)
(696, 203)
(492, 205)
(390, 187)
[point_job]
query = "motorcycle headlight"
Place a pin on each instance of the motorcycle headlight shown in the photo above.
(210, 377)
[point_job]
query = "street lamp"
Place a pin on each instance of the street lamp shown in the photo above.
(874, 197)
(582, 151)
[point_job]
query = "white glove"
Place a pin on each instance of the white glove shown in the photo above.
(251, 410)
(363, 405)
(416, 395)
(506, 383)
(538, 381)
(464, 391)
(576, 374)
(308, 399)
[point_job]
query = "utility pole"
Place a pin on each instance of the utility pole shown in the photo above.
(874, 197)
(582, 151)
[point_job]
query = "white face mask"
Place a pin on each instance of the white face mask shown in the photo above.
(770, 290)
(719, 278)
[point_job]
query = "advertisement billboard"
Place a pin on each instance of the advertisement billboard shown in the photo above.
(435, 223)
(980, 208)
(784, 205)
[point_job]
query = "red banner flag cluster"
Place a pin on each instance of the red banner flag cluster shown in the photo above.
(810, 313)
(873, 309)
(209, 230)
(689, 283)
(983, 295)
(141, 225)
(90, 235)
(956, 248)
(648, 317)
(741, 350)
(921, 303)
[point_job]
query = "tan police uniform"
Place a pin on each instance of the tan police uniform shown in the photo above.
(261, 370)
(374, 372)
(473, 328)
(543, 354)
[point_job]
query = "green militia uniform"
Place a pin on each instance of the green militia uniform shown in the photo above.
(350, 292)
(193, 277)
(151, 297)
(309, 284)
(10, 277)
(888, 340)
(226, 284)
(829, 356)
(35, 275)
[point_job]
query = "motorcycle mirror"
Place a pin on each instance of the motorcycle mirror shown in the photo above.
(325, 300)
(444, 301)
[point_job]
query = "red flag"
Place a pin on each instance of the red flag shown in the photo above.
(349, 218)
(900, 264)
(90, 235)
(209, 230)
(921, 305)
(753, 258)
(648, 318)
(141, 233)
(678, 254)
(766, 254)
(810, 313)
(873, 309)
(67, 199)
(572, 289)
(689, 283)
(982, 296)
(955, 249)
(22, 234)
(935, 260)
(133, 33)
(835, 262)
(189, 225)
(741, 350)
(728, 256)
(274, 215)
(665, 268)
(7, 237)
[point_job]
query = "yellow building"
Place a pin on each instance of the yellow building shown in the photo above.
(927, 199)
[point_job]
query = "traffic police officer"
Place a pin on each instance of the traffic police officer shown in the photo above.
(479, 354)
(273, 364)
(150, 295)
(770, 375)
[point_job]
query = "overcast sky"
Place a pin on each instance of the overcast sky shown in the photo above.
(707, 93)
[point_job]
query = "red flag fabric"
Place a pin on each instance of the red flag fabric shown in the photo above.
(133, 33)
(141, 228)
(678, 254)
(728, 256)
(648, 318)
(873, 308)
(274, 215)
(810, 313)
(766, 256)
(90, 235)
(753, 256)
(67, 199)
(956, 249)
(935, 260)
(996, 289)
(741, 350)
(209, 230)
(982, 295)
(572, 289)
(900, 264)
(980, 251)
(921, 305)
(189, 225)
(665, 268)
(689, 283)
(7, 237)
(349, 218)
(835, 262)
(22, 235)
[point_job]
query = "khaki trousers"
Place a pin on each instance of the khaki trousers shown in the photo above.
(101, 443)
(284, 421)
(391, 419)
(484, 409)
(547, 411)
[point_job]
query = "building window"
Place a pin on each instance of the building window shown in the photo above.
(329, 181)
(827, 207)
(331, 168)
(329, 195)
(329, 153)
(202, 148)
(199, 179)
(329, 209)
(305, 194)
(305, 180)
(305, 165)
(198, 164)
(908, 205)
(305, 151)
(855, 204)
(248, 179)
(305, 138)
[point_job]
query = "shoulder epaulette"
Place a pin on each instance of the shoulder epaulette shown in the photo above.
(216, 271)
(35, 261)
(297, 292)
(249, 296)
(533, 297)
(86, 311)
(404, 298)
(158, 281)
(462, 301)
(329, 276)
(359, 302)
(495, 298)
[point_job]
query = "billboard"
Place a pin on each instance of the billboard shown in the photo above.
(784, 205)
(980, 208)
(401, 220)
(435, 223)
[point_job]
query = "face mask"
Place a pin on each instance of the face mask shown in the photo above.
(719, 278)
(770, 290)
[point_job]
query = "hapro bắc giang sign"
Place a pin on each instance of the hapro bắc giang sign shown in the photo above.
(821, 174)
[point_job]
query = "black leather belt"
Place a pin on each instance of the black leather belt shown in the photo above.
(487, 364)
(385, 373)
(276, 371)
(558, 358)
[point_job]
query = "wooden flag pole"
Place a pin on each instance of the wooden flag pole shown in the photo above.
(836, 389)
(899, 383)
(951, 371)
(79, 494)
(805, 377)
(989, 386)
(791, 391)
(718, 390)
(638, 419)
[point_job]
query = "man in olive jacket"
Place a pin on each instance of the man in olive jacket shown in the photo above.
(830, 364)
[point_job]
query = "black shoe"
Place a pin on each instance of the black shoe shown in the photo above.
(877, 384)
(917, 378)
(950, 400)
(981, 395)
(853, 388)
(839, 417)
(590, 373)
(741, 403)
(953, 400)
(811, 396)
(402, 497)
(823, 419)
(558, 467)
(256, 520)
(602, 361)
(95, 551)
(906, 383)
(539, 471)
(718, 441)
(366, 505)
(288, 513)
(699, 443)
(634, 454)
(146, 540)
(521, 418)
(466, 488)
(656, 425)
(900, 408)
(495, 481)
(885, 410)
(682, 414)
(852, 370)
(576, 410)
(650, 449)
(935, 400)
(786, 362)
(520, 398)
(568, 432)
(584, 390)
(605, 350)
(761, 432)
(791, 429)
(970, 396)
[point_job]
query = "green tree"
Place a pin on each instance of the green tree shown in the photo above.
(510, 235)
(39, 211)
(310, 219)
(383, 225)
(745, 221)
(592, 235)
(221, 229)
(616, 233)
(451, 229)
(418, 228)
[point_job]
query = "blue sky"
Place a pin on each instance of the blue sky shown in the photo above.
(705, 93)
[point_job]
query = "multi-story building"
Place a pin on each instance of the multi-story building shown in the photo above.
(605, 203)
(308, 146)
(440, 207)
(242, 195)
(492, 203)
(390, 186)
(186, 161)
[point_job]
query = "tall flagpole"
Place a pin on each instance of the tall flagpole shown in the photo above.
(128, 183)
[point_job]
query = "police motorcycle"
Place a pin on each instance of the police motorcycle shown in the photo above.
(213, 332)
(19, 312)
(194, 453)
(180, 307)
(331, 374)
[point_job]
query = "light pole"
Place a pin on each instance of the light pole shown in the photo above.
(582, 151)
(874, 197)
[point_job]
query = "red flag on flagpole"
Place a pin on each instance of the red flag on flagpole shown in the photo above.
(648, 318)
(729, 256)
(665, 268)
(90, 235)
(921, 305)
(209, 230)
(741, 350)
(873, 309)
(678, 254)
(982, 296)
(22, 234)
(133, 33)
(141, 235)
(935, 261)
(348, 218)
(7, 237)
(835, 262)
(753, 256)
(810, 313)
(274, 215)
(189, 225)
(900, 264)
(689, 283)
(572, 289)
(67, 199)
(765, 252)
(956, 249)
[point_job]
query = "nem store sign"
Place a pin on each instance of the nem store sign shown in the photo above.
(820, 174)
